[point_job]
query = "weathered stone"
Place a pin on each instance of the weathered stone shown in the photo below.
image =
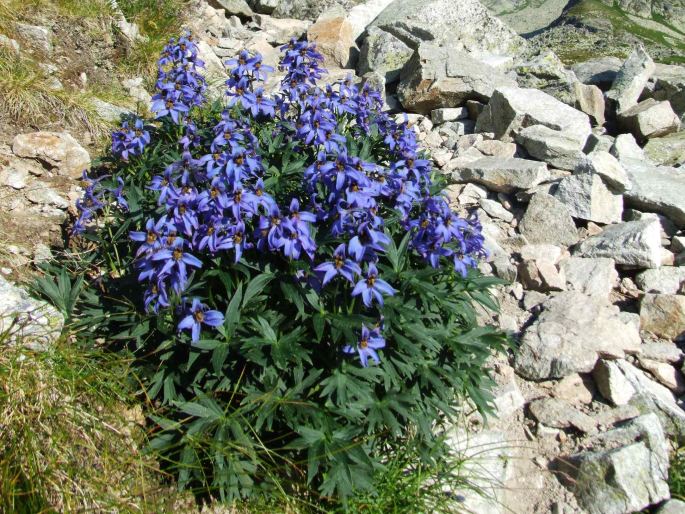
(661, 352)
(14, 177)
(38, 39)
(664, 373)
(612, 383)
(672, 507)
(631, 79)
(511, 110)
(572, 332)
(625, 147)
(109, 112)
(663, 315)
(633, 243)
(656, 189)
(233, 7)
(507, 399)
(650, 396)
(575, 389)
(384, 53)
(590, 100)
(24, 320)
(669, 84)
(599, 72)
(547, 220)
(445, 114)
(634, 456)
(551, 146)
(214, 67)
(465, 24)
(495, 209)
(668, 150)
(501, 175)
(334, 38)
(264, 6)
(665, 280)
(57, 149)
(608, 167)
(361, 15)
(650, 119)
(280, 30)
(587, 198)
(541, 276)
(494, 148)
(590, 276)
(437, 77)
(540, 252)
(556, 413)
(41, 194)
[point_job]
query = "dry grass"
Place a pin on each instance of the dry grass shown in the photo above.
(69, 437)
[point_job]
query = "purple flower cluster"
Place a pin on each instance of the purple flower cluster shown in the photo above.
(215, 201)
(128, 142)
(179, 84)
(95, 198)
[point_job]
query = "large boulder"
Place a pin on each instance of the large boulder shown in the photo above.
(650, 118)
(238, 8)
(504, 175)
(663, 315)
(437, 77)
(665, 280)
(590, 276)
(511, 110)
(668, 150)
(626, 471)
(631, 80)
(573, 331)
(588, 198)
(56, 149)
(656, 189)
(463, 25)
(608, 168)
(383, 53)
(635, 244)
(600, 72)
(669, 84)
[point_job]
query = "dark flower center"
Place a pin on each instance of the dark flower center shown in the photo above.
(151, 237)
(363, 344)
(178, 254)
(199, 316)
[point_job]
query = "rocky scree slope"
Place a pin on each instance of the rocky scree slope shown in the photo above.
(577, 175)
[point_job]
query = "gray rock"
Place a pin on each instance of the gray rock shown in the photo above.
(612, 383)
(665, 280)
(668, 150)
(495, 210)
(551, 146)
(540, 252)
(10, 44)
(510, 110)
(661, 352)
(572, 332)
(507, 399)
(334, 38)
(590, 276)
(634, 456)
(651, 396)
(233, 7)
(547, 220)
(656, 189)
(650, 118)
(590, 100)
(446, 114)
(384, 53)
(587, 198)
(109, 112)
(672, 507)
(541, 275)
(437, 77)
(41, 194)
(625, 147)
(465, 24)
(494, 148)
(599, 72)
(363, 13)
(501, 175)
(633, 244)
(663, 315)
(669, 84)
(664, 373)
(556, 413)
(264, 6)
(280, 30)
(36, 38)
(630, 80)
(27, 321)
(14, 177)
(608, 168)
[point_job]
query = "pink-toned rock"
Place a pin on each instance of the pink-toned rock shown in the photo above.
(334, 38)
(57, 149)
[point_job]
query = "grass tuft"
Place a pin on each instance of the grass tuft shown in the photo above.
(69, 434)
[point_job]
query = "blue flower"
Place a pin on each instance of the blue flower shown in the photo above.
(342, 266)
(366, 347)
(371, 287)
(199, 315)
